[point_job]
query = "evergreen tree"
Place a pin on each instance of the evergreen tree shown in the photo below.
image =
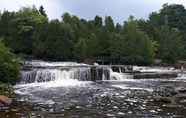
(42, 11)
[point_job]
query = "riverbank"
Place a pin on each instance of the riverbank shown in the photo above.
(6, 90)
(6, 95)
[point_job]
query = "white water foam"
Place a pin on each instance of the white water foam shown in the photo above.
(36, 63)
(132, 88)
(39, 79)
(154, 69)
(119, 76)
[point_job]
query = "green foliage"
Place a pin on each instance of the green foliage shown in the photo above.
(171, 15)
(109, 24)
(138, 48)
(167, 27)
(53, 41)
(170, 44)
(29, 32)
(9, 66)
(98, 21)
(42, 11)
(20, 27)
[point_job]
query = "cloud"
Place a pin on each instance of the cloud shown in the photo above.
(53, 8)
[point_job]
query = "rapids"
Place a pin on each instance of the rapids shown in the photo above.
(65, 89)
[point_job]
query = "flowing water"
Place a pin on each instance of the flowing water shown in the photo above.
(65, 90)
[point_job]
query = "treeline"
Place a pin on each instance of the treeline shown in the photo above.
(136, 41)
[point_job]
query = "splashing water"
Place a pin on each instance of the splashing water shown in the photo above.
(119, 75)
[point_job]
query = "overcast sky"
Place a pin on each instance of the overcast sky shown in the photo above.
(118, 9)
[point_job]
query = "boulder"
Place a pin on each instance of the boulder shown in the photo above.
(5, 100)
(181, 90)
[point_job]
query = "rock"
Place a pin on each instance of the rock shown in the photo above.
(110, 115)
(181, 96)
(121, 113)
(173, 106)
(182, 90)
(5, 100)
(155, 75)
(115, 107)
(165, 91)
(166, 100)
(182, 101)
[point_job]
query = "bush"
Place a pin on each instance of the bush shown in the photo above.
(9, 66)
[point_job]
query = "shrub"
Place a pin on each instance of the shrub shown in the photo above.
(9, 66)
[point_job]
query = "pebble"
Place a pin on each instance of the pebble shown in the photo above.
(115, 107)
(14, 110)
(129, 112)
(152, 111)
(110, 115)
(78, 107)
(121, 113)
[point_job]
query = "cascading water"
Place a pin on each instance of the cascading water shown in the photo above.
(64, 73)
(119, 75)
(53, 74)
(60, 74)
(47, 75)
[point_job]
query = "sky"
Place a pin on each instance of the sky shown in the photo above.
(120, 10)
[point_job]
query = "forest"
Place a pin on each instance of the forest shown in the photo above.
(28, 33)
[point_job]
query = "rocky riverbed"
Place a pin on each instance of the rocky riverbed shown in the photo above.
(129, 98)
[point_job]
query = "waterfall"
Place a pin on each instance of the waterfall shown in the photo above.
(57, 75)
(37, 72)
(43, 72)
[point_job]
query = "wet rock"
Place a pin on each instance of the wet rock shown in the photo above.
(181, 96)
(5, 100)
(115, 107)
(153, 111)
(183, 101)
(110, 115)
(155, 75)
(181, 90)
(165, 91)
(129, 112)
(166, 100)
(121, 113)
(173, 106)
(78, 107)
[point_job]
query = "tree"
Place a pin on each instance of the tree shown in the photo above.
(109, 24)
(98, 21)
(54, 42)
(81, 49)
(118, 28)
(171, 45)
(138, 48)
(42, 11)
(172, 15)
(66, 18)
(21, 28)
(29, 32)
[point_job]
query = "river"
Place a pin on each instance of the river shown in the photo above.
(53, 92)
